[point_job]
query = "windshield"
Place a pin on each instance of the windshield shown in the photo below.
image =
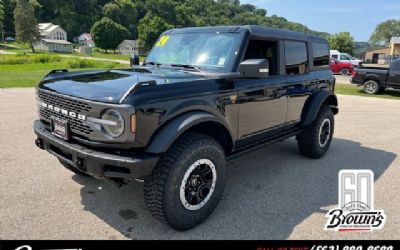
(205, 51)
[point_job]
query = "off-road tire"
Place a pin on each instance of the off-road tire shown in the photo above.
(73, 169)
(162, 187)
(309, 140)
(371, 87)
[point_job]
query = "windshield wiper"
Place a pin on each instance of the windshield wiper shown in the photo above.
(186, 66)
(152, 63)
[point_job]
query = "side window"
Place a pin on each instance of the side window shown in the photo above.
(395, 66)
(335, 57)
(263, 49)
(344, 57)
(320, 54)
(296, 58)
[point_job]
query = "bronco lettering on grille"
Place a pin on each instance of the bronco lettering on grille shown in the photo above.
(62, 111)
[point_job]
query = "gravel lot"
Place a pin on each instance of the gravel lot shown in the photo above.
(273, 193)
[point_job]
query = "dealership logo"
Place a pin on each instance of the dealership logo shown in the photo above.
(27, 247)
(356, 204)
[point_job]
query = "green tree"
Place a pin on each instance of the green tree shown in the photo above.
(26, 27)
(108, 34)
(150, 28)
(75, 16)
(385, 31)
(123, 12)
(342, 41)
(9, 27)
(1, 21)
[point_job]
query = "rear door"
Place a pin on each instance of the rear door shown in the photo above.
(393, 79)
(297, 79)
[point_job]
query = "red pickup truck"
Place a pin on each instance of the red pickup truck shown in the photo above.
(343, 68)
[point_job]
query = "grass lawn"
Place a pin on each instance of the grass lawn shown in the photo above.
(347, 89)
(29, 75)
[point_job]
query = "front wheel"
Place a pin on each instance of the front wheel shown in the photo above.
(316, 139)
(187, 183)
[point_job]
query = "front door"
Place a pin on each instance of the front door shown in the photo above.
(393, 79)
(262, 105)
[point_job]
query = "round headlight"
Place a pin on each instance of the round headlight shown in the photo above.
(114, 123)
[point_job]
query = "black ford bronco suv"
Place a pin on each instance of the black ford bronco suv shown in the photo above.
(202, 96)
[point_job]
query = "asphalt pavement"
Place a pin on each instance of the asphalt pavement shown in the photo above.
(272, 193)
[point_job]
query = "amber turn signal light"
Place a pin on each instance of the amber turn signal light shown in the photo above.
(133, 123)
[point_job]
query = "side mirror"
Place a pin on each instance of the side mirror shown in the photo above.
(254, 68)
(134, 60)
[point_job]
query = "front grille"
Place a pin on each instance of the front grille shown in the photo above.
(80, 107)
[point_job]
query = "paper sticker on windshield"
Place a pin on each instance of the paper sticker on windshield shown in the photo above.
(221, 61)
(162, 41)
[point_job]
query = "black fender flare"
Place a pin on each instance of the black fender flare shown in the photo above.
(314, 104)
(168, 134)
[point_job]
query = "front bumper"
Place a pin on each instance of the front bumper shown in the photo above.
(95, 163)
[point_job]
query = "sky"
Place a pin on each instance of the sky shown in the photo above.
(359, 17)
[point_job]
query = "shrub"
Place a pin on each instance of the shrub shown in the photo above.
(44, 58)
(80, 64)
(24, 58)
(111, 65)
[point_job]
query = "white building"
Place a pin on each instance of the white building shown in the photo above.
(128, 47)
(53, 39)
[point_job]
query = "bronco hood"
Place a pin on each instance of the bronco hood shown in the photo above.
(110, 86)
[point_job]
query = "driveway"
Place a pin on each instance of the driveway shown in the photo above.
(343, 79)
(272, 193)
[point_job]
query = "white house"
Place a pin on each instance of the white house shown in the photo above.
(128, 47)
(53, 39)
(86, 39)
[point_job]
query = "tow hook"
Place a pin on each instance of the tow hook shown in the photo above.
(39, 143)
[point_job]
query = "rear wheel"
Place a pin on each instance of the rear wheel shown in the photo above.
(345, 71)
(371, 87)
(187, 183)
(316, 139)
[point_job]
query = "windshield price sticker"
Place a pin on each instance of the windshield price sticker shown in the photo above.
(162, 41)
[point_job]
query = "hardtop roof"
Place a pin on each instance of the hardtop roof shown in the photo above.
(254, 30)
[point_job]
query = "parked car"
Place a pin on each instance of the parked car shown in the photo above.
(203, 95)
(344, 57)
(343, 68)
(375, 79)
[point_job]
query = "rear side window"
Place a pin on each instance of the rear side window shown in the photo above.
(320, 54)
(395, 66)
(296, 58)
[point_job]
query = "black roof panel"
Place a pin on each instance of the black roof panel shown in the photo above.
(254, 30)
